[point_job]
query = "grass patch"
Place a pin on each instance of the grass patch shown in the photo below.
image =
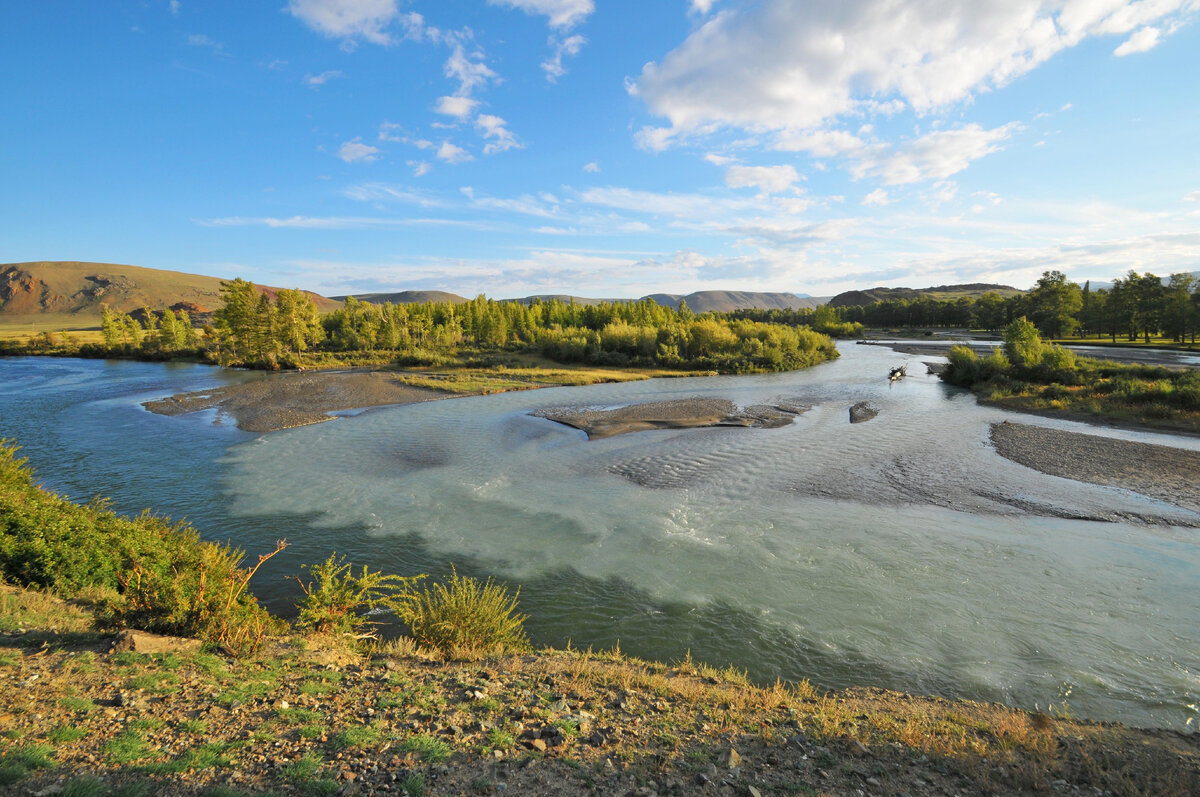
(84, 786)
(294, 715)
(127, 747)
(355, 736)
(21, 762)
(77, 704)
(431, 749)
(303, 768)
(414, 785)
(66, 733)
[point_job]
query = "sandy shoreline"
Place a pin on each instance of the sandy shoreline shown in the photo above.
(285, 401)
(1168, 474)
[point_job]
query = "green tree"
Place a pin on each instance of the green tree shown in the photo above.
(1054, 304)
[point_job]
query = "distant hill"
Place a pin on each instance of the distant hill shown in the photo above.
(726, 301)
(971, 290)
(70, 294)
(406, 297)
(700, 301)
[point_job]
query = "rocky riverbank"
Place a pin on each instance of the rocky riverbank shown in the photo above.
(311, 716)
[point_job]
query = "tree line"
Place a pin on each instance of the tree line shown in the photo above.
(1137, 305)
(260, 329)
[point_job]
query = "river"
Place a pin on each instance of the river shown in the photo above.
(902, 552)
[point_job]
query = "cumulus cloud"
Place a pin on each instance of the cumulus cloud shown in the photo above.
(451, 153)
(347, 19)
(1145, 39)
(934, 156)
(797, 65)
(702, 7)
(316, 81)
(354, 151)
(562, 14)
(767, 179)
(458, 107)
(570, 46)
(594, 168)
(420, 168)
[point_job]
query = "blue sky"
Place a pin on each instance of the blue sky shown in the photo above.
(602, 147)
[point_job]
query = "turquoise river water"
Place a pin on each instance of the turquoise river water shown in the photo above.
(902, 552)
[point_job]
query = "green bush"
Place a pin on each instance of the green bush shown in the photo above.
(156, 575)
(336, 601)
(464, 615)
(1022, 343)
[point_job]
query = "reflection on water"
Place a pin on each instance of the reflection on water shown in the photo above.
(901, 552)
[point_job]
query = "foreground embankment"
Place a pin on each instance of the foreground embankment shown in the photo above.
(310, 715)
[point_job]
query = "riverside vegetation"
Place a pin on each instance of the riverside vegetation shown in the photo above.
(258, 330)
(461, 705)
(1030, 374)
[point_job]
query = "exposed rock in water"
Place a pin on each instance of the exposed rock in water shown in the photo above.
(863, 411)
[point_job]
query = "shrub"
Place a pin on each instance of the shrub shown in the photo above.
(964, 368)
(464, 615)
(337, 600)
(154, 574)
(1022, 343)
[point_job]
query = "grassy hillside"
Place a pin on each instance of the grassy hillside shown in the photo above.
(68, 295)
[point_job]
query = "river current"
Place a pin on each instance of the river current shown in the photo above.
(902, 552)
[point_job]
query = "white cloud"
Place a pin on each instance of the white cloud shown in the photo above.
(719, 160)
(877, 198)
(467, 68)
(459, 107)
(175, 6)
(570, 46)
(354, 151)
(347, 19)
(562, 14)
(702, 7)
(934, 156)
(453, 154)
(768, 179)
(1194, 196)
(796, 65)
(324, 222)
(200, 40)
(316, 81)
(500, 138)
(420, 168)
(1140, 42)
(821, 143)
(594, 168)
